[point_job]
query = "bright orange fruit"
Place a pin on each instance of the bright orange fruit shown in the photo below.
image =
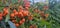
(20, 14)
(1, 14)
(25, 13)
(16, 24)
(0, 18)
(23, 20)
(14, 10)
(16, 13)
(20, 22)
(12, 15)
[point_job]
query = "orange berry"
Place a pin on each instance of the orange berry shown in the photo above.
(25, 13)
(23, 20)
(16, 13)
(20, 10)
(31, 27)
(30, 18)
(16, 24)
(0, 18)
(12, 15)
(14, 10)
(1, 14)
(4, 13)
(46, 15)
(5, 9)
(20, 22)
(20, 14)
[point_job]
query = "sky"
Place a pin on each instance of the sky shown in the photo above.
(38, 0)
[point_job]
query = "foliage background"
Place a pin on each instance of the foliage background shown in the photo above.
(53, 20)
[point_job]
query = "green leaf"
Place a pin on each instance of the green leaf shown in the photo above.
(7, 18)
(22, 26)
(14, 1)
